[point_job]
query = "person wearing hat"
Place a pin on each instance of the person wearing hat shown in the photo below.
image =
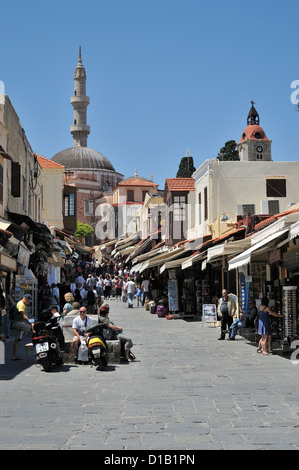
(21, 324)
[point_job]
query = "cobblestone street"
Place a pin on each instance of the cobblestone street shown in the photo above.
(186, 391)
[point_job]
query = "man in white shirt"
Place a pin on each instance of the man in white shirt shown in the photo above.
(145, 290)
(131, 289)
(80, 325)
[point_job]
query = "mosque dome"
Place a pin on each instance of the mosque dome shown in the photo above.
(82, 157)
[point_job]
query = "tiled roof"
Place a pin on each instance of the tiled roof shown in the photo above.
(273, 218)
(180, 184)
(250, 133)
(127, 203)
(137, 182)
(47, 163)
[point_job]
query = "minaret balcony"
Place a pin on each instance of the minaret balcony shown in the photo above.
(80, 100)
(80, 128)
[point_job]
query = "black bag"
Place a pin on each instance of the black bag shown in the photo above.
(109, 334)
(91, 298)
(13, 311)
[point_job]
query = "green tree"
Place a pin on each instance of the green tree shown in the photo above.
(83, 230)
(228, 152)
(186, 168)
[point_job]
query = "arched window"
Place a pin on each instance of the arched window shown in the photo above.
(88, 206)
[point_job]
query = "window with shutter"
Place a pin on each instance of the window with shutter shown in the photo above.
(276, 187)
(205, 193)
(130, 195)
(15, 179)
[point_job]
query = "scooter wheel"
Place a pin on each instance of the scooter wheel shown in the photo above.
(59, 361)
(46, 364)
(101, 365)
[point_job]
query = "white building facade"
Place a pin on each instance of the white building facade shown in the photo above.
(253, 185)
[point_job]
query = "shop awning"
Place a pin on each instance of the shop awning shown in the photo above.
(293, 233)
(263, 234)
(176, 263)
(139, 248)
(4, 224)
(245, 257)
(162, 258)
(193, 259)
(108, 243)
(228, 248)
(123, 252)
(150, 254)
(120, 244)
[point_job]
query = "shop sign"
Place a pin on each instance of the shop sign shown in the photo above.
(7, 263)
(23, 256)
(275, 255)
(209, 313)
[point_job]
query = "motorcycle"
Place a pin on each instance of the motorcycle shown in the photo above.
(45, 338)
(97, 347)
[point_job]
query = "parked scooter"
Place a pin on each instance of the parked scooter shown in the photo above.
(45, 338)
(97, 347)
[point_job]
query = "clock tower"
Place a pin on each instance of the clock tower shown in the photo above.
(254, 144)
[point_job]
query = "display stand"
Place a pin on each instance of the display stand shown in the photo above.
(290, 324)
(209, 315)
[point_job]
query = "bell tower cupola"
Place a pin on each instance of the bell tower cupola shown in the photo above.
(254, 144)
(253, 116)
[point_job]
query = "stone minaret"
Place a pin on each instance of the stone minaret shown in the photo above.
(80, 130)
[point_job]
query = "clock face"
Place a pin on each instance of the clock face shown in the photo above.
(259, 148)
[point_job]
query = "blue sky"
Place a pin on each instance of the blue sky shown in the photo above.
(163, 76)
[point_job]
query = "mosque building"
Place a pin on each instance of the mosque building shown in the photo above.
(88, 173)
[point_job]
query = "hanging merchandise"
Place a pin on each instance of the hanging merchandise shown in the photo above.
(245, 289)
(290, 324)
(173, 295)
(27, 284)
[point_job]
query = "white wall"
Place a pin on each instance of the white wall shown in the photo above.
(234, 183)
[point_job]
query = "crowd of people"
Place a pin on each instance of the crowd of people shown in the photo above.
(90, 284)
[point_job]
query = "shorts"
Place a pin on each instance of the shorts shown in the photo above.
(21, 328)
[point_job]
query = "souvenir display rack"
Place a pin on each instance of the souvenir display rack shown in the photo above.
(289, 310)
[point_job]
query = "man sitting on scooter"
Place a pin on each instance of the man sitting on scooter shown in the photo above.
(116, 333)
(80, 325)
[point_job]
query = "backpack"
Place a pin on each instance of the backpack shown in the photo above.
(161, 311)
(13, 311)
(91, 298)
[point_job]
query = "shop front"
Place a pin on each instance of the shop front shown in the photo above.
(8, 266)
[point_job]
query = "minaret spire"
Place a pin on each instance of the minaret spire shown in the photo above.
(80, 130)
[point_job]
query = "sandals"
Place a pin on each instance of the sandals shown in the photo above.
(259, 350)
